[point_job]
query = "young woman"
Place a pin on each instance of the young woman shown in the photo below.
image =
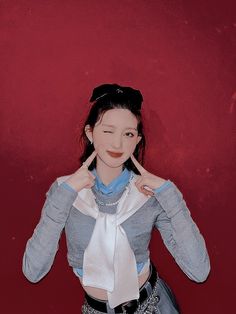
(108, 208)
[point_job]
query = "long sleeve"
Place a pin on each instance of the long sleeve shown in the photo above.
(41, 248)
(181, 235)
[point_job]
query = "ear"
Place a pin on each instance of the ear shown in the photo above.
(89, 132)
(138, 139)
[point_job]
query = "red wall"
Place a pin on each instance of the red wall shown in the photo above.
(182, 55)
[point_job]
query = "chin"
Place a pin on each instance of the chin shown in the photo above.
(112, 163)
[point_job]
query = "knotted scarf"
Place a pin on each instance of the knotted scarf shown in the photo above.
(109, 262)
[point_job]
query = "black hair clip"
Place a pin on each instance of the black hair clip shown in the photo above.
(133, 95)
(102, 90)
(99, 97)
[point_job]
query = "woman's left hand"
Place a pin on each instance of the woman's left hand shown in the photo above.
(147, 181)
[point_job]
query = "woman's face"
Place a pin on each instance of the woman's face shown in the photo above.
(115, 137)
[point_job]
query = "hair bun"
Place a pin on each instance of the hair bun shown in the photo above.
(132, 95)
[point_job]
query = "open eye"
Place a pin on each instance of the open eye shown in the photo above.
(129, 134)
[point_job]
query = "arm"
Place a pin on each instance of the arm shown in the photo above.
(41, 248)
(180, 234)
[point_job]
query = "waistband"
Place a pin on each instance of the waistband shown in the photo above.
(130, 306)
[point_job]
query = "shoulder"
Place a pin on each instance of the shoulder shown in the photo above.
(57, 182)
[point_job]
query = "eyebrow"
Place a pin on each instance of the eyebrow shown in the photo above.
(112, 126)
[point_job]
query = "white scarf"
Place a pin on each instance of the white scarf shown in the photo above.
(109, 262)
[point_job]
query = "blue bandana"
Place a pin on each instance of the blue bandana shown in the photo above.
(115, 185)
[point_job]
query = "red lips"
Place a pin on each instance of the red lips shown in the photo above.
(114, 154)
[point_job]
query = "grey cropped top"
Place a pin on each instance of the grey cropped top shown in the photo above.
(166, 211)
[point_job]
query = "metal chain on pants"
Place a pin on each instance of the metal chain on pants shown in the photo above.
(149, 306)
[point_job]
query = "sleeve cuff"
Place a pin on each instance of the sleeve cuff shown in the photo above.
(68, 187)
(170, 198)
(163, 186)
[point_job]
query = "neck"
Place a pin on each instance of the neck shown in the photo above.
(106, 173)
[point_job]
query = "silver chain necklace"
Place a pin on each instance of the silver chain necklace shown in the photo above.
(114, 203)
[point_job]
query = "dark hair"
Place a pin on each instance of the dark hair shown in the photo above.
(113, 96)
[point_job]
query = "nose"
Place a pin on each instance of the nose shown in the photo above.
(117, 141)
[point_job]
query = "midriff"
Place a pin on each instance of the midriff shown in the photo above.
(102, 294)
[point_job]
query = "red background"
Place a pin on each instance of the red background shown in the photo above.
(182, 55)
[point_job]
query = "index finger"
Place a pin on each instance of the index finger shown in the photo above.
(89, 160)
(137, 165)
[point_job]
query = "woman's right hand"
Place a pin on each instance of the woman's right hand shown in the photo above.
(83, 178)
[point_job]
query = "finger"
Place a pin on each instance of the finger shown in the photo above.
(89, 180)
(89, 185)
(142, 187)
(146, 192)
(91, 175)
(89, 160)
(140, 182)
(137, 165)
(149, 193)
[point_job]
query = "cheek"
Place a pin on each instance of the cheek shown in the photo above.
(100, 150)
(99, 140)
(99, 145)
(130, 147)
